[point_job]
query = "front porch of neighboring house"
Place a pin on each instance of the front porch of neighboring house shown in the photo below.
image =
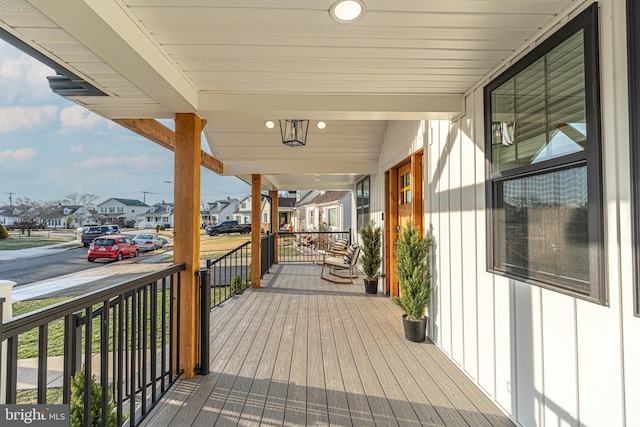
(302, 351)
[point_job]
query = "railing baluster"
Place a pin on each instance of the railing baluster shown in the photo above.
(69, 351)
(43, 334)
(154, 343)
(177, 322)
(171, 328)
(163, 338)
(88, 341)
(120, 365)
(12, 369)
(104, 359)
(132, 379)
(143, 349)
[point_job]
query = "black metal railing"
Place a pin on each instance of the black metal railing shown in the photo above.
(267, 253)
(307, 246)
(124, 338)
(230, 274)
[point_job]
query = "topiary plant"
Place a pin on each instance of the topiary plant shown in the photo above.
(412, 269)
(371, 259)
(76, 411)
(4, 234)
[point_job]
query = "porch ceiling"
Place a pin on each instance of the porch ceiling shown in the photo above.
(238, 63)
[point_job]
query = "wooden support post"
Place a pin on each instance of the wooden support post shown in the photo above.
(275, 220)
(186, 243)
(256, 226)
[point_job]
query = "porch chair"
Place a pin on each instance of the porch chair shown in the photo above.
(346, 263)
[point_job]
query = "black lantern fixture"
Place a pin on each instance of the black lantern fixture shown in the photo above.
(294, 132)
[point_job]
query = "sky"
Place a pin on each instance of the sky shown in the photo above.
(51, 147)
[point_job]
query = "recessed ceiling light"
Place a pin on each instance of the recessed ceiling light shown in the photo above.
(321, 124)
(270, 124)
(347, 11)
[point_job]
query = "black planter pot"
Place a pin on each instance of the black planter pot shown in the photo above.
(414, 330)
(371, 286)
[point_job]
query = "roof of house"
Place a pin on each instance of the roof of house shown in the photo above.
(286, 202)
(326, 197)
(127, 202)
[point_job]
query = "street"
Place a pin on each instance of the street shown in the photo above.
(29, 270)
(68, 273)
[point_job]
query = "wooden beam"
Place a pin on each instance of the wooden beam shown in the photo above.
(160, 134)
(152, 130)
(275, 223)
(256, 227)
(186, 236)
(211, 163)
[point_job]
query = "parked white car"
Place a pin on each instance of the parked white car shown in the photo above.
(149, 242)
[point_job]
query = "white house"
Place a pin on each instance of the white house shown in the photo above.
(7, 215)
(121, 211)
(330, 208)
(68, 216)
(529, 196)
(507, 130)
(243, 212)
(158, 214)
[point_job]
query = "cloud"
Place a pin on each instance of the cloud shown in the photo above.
(139, 162)
(78, 118)
(76, 149)
(22, 155)
(26, 118)
(22, 79)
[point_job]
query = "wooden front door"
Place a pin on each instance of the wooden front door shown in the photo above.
(404, 204)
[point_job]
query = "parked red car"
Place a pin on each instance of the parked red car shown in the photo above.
(112, 247)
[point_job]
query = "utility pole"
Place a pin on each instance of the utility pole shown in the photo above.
(144, 196)
(10, 198)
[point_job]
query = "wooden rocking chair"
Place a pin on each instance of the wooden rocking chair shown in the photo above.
(346, 263)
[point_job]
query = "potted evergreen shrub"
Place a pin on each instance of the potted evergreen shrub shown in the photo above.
(413, 253)
(371, 259)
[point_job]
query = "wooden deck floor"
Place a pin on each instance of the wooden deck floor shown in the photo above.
(302, 351)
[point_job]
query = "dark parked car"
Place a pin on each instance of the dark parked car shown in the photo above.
(96, 231)
(228, 227)
(112, 247)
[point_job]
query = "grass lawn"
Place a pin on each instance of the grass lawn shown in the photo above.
(24, 242)
(216, 246)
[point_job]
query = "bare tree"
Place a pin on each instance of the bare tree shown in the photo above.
(47, 211)
(27, 214)
(81, 199)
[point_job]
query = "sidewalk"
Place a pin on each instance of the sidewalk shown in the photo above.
(36, 252)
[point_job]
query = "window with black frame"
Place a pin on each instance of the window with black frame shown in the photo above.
(544, 196)
(633, 35)
(362, 202)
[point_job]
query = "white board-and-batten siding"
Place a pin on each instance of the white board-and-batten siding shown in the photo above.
(547, 359)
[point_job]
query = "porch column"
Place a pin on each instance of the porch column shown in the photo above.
(256, 226)
(275, 220)
(186, 243)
